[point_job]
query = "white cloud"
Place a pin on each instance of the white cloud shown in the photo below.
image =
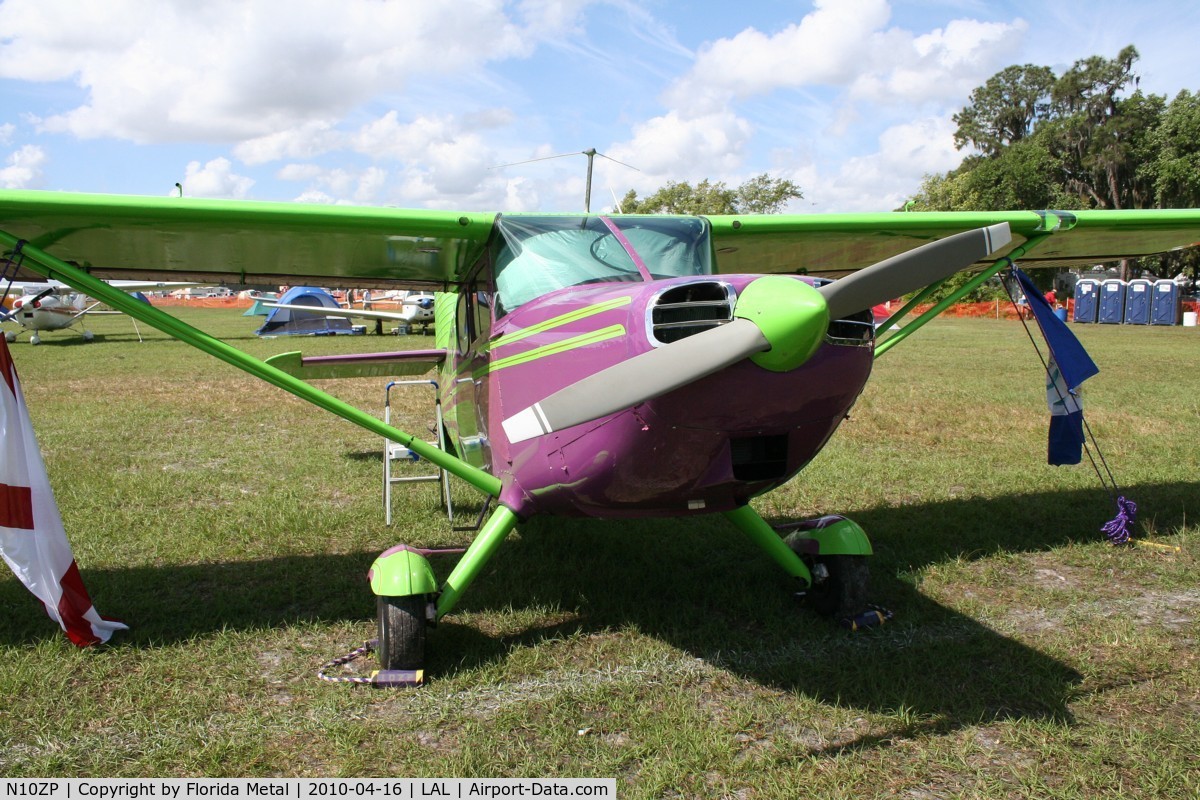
(441, 160)
(307, 140)
(371, 185)
(945, 64)
(450, 152)
(23, 169)
(414, 103)
(545, 19)
(830, 82)
(315, 196)
(226, 70)
(678, 147)
(845, 45)
(299, 172)
(828, 46)
(389, 138)
(215, 179)
(885, 179)
(520, 195)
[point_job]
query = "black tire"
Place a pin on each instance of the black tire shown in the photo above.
(845, 592)
(401, 623)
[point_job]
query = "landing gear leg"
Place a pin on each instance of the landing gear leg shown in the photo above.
(487, 541)
(749, 522)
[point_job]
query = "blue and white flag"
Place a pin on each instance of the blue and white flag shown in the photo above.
(1069, 366)
(1066, 419)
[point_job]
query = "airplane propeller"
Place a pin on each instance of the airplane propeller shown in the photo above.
(778, 323)
(32, 303)
(38, 297)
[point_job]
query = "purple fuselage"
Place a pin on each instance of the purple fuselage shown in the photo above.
(708, 446)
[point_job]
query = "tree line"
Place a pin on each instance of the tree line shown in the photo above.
(1088, 138)
(1072, 141)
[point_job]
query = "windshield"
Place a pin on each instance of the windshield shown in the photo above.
(537, 255)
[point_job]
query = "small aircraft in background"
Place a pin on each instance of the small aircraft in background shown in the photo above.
(53, 306)
(414, 310)
(595, 365)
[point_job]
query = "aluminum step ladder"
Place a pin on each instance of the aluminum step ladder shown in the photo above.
(395, 455)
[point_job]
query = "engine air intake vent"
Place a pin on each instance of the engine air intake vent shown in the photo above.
(692, 308)
(856, 330)
(759, 458)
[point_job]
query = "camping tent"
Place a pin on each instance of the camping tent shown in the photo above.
(290, 322)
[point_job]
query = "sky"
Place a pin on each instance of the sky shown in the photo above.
(431, 103)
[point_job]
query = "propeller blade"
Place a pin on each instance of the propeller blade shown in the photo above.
(912, 270)
(783, 319)
(638, 379)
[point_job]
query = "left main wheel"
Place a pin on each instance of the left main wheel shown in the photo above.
(402, 626)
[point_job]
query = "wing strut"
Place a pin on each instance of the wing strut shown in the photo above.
(970, 286)
(47, 265)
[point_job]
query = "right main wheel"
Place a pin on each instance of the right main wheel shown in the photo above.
(402, 625)
(845, 589)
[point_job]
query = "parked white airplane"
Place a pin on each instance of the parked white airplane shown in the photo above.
(414, 309)
(52, 306)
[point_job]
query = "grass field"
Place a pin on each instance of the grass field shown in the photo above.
(231, 528)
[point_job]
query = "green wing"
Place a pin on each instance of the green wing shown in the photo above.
(244, 242)
(223, 241)
(832, 245)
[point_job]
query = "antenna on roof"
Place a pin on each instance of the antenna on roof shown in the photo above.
(591, 154)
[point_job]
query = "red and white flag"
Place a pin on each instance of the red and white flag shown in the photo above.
(32, 539)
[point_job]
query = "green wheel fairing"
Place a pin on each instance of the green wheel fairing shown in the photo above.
(843, 538)
(792, 317)
(401, 572)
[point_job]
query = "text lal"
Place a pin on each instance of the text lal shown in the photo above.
(492, 790)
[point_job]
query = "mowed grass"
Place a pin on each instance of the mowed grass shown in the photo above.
(231, 526)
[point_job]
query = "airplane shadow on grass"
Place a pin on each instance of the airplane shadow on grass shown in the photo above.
(695, 584)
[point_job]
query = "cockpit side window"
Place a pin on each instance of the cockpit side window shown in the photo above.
(473, 313)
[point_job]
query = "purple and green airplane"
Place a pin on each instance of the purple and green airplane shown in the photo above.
(609, 366)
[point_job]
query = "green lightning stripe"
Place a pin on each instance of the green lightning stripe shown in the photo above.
(554, 322)
(575, 342)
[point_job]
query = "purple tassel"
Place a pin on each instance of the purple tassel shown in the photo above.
(1117, 529)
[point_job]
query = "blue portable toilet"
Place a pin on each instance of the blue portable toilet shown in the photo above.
(1087, 299)
(1112, 302)
(1138, 295)
(1167, 306)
